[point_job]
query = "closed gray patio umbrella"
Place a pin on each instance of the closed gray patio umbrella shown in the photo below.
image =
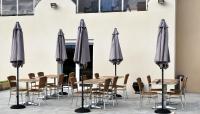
(82, 56)
(162, 58)
(61, 54)
(115, 52)
(17, 57)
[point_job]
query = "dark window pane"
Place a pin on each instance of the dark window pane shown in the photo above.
(139, 5)
(25, 7)
(0, 7)
(9, 7)
(88, 6)
(111, 5)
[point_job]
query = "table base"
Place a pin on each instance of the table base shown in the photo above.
(82, 110)
(167, 107)
(18, 106)
(163, 111)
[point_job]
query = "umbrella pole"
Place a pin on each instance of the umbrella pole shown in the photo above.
(17, 106)
(82, 109)
(62, 91)
(115, 69)
(17, 85)
(163, 110)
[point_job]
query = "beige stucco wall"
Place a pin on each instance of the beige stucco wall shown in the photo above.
(187, 42)
(138, 36)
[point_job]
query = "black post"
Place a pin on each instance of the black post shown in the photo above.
(17, 106)
(82, 109)
(82, 93)
(163, 88)
(17, 86)
(163, 110)
(115, 69)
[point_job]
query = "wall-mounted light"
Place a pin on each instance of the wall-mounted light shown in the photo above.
(54, 5)
(161, 1)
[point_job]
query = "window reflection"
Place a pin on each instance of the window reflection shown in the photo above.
(9, 7)
(88, 6)
(111, 5)
(25, 7)
(139, 5)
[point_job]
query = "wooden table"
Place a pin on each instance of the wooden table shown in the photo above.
(111, 77)
(93, 81)
(166, 81)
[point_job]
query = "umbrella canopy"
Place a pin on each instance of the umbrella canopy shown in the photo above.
(82, 52)
(162, 57)
(115, 51)
(17, 49)
(61, 54)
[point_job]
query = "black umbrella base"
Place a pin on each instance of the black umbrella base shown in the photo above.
(19, 106)
(162, 111)
(82, 110)
(63, 93)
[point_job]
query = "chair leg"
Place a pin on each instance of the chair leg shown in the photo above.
(57, 92)
(22, 98)
(141, 101)
(126, 94)
(184, 99)
(104, 102)
(156, 98)
(181, 102)
(9, 98)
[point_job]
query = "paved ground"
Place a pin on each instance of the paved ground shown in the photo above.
(65, 106)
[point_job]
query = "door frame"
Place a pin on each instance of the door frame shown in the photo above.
(77, 67)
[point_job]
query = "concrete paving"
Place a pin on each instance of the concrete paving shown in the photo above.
(129, 106)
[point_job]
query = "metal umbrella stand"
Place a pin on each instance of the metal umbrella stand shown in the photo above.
(61, 54)
(162, 58)
(17, 58)
(82, 57)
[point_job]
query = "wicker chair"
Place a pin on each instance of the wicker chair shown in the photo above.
(40, 90)
(32, 76)
(58, 86)
(13, 85)
(146, 94)
(103, 93)
(179, 93)
(150, 85)
(123, 87)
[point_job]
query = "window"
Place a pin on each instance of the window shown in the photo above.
(25, 7)
(139, 5)
(88, 6)
(17, 7)
(111, 5)
(0, 7)
(92, 6)
(9, 7)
